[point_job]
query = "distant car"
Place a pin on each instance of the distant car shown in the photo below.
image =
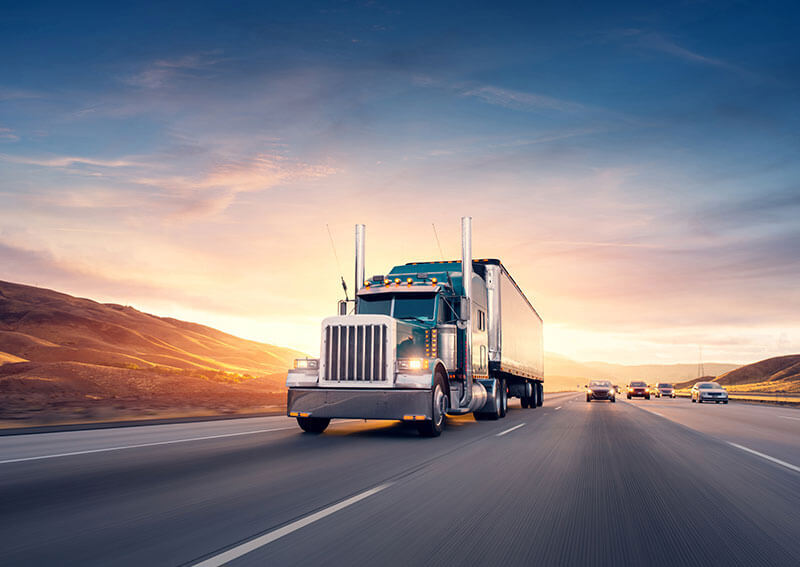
(666, 390)
(709, 392)
(638, 390)
(600, 390)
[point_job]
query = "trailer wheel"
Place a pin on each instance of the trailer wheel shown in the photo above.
(313, 424)
(439, 403)
(504, 398)
(523, 401)
(540, 394)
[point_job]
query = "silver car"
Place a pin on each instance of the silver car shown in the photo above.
(709, 392)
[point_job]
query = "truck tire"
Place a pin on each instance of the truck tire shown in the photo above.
(525, 402)
(439, 403)
(504, 400)
(540, 394)
(313, 424)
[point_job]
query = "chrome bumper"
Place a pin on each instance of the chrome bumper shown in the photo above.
(359, 403)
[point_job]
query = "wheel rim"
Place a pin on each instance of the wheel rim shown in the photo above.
(439, 406)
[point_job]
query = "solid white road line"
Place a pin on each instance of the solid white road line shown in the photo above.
(104, 449)
(154, 444)
(558, 408)
(510, 430)
(767, 457)
(788, 417)
(261, 541)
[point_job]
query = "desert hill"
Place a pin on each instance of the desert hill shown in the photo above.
(59, 351)
(777, 374)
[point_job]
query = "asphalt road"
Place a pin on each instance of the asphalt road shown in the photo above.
(659, 482)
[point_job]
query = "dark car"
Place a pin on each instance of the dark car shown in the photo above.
(600, 390)
(663, 389)
(638, 390)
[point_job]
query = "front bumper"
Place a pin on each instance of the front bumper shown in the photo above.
(359, 403)
(600, 395)
(638, 394)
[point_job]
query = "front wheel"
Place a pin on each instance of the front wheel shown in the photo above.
(439, 404)
(629, 396)
(313, 424)
(614, 400)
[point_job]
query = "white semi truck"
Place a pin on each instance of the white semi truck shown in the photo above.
(424, 341)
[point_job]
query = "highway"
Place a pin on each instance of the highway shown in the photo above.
(658, 482)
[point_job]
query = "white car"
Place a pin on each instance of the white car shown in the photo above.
(709, 392)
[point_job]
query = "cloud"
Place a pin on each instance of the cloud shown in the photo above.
(17, 94)
(8, 135)
(760, 209)
(657, 42)
(66, 161)
(518, 100)
(213, 191)
(499, 96)
(161, 71)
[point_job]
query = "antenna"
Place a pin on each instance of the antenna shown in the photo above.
(338, 264)
(439, 244)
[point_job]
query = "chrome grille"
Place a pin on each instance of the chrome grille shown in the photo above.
(355, 353)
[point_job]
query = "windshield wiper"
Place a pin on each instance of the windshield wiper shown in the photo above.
(420, 319)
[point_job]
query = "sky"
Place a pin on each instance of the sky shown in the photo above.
(634, 165)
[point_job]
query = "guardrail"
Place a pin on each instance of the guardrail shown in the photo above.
(780, 398)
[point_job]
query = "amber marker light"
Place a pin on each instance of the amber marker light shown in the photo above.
(434, 281)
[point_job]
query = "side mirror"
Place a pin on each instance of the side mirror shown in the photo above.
(464, 309)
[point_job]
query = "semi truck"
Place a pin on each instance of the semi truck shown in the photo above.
(422, 342)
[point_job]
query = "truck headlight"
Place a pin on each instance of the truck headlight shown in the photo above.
(412, 364)
(306, 363)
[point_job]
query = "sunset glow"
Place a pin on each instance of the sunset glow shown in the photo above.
(639, 184)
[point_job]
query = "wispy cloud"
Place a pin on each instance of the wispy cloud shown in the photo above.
(215, 190)
(8, 135)
(518, 100)
(657, 42)
(158, 73)
(500, 96)
(8, 93)
(67, 161)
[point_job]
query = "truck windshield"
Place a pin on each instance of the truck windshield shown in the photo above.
(400, 306)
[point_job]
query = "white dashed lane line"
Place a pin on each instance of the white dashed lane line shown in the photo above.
(510, 430)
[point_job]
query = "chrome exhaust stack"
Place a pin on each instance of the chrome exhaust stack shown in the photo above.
(466, 307)
(360, 256)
